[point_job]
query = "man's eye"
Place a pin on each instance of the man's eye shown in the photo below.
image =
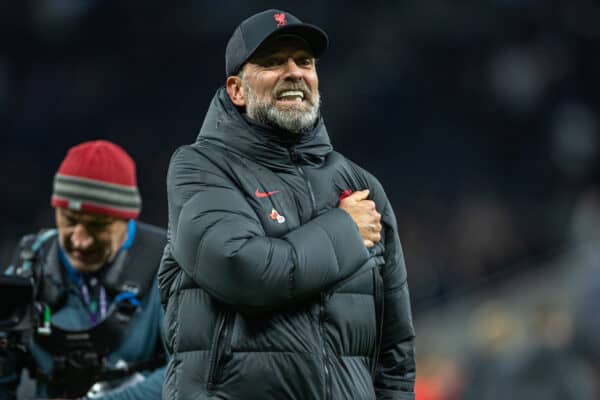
(272, 62)
(95, 226)
(305, 61)
(70, 221)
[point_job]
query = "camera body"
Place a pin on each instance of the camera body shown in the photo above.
(18, 310)
(78, 364)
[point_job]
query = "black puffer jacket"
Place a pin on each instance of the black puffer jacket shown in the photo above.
(268, 289)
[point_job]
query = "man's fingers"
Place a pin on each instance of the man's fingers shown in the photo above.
(359, 195)
(364, 214)
(377, 237)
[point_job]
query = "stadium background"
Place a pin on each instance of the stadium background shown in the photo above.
(480, 117)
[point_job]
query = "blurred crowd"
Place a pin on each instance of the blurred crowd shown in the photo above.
(480, 117)
(533, 358)
(535, 336)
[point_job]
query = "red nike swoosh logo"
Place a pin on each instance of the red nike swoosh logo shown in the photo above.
(260, 195)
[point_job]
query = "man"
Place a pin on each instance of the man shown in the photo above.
(95, 280)
(284, 276)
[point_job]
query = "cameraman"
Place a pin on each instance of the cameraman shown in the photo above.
(94, 282)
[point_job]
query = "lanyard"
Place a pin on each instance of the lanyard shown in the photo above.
(77, 278)
(91, 304)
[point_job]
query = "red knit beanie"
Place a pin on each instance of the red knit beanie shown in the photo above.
(97, 177)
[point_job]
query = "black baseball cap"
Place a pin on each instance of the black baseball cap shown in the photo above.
(254, 30)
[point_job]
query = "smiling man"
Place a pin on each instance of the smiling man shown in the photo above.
(283, 277)
(96, 275)
(292, 103)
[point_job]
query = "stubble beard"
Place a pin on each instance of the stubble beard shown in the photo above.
(295, 119)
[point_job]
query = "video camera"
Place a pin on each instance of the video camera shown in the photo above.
(18, 312)
(79, 356)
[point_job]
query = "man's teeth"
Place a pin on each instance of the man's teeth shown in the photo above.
(292, 93)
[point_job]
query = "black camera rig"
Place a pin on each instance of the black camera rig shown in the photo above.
(79, 356)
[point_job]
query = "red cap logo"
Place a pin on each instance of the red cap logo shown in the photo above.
(280, 19)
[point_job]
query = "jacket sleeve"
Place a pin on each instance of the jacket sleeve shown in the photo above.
(395, 371)
(220, 243)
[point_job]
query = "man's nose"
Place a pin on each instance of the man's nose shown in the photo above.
(293, 71)
(80, 238)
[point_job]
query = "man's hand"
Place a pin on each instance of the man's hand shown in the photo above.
(365, 216)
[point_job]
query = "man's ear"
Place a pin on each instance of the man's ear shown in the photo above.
(235, 90)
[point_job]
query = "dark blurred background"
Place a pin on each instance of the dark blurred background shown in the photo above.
(480, 117)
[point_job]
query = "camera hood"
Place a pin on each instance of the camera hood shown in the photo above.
(16, 307)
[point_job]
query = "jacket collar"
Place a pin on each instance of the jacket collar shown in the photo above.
(226, 126)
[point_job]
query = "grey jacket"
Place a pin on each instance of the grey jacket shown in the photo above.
(268, 289)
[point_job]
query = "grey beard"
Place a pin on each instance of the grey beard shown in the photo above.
(294, 121)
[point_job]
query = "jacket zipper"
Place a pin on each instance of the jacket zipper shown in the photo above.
(294, 158)
(222, 332)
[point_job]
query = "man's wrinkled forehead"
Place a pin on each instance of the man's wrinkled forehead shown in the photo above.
(279, 44)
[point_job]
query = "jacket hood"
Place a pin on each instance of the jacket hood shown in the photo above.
(227, 126)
